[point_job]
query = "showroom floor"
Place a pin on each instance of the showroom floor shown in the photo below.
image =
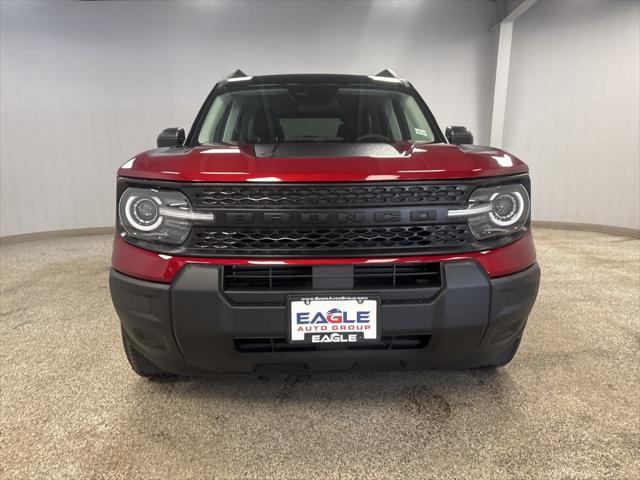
(567, 407)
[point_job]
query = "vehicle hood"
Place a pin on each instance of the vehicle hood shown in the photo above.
(374, 162)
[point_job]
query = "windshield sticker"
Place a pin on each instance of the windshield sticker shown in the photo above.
(420, 131)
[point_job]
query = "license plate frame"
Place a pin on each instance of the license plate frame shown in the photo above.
(352, 319)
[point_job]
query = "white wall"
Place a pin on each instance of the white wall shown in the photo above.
(573, 109)
(86, 85)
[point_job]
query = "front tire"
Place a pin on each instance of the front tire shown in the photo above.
(142, 366)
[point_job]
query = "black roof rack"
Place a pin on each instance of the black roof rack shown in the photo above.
(235, 74)
(387, 72)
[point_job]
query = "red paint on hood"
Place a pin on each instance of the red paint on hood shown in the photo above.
(239, 164)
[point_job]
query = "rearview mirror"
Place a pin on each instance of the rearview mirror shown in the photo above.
(171, 137)
(459, 135)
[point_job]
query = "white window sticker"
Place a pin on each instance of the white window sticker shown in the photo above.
(420, 131)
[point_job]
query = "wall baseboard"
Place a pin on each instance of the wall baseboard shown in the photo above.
(589, 227)
(75, 232)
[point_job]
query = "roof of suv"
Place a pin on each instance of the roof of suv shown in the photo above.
(310, 78)
(241, 78)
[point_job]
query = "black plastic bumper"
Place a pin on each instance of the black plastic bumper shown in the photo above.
(193, 327)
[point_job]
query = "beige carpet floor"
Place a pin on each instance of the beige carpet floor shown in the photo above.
(568, 406)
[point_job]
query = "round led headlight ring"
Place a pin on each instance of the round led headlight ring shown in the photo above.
(506, 208)
(143, 213)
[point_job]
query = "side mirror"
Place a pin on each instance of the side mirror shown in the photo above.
(171, 137)
(459, 136)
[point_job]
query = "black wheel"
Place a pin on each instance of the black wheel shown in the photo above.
(142, 366)
(506, 356)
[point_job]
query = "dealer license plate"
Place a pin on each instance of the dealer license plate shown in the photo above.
(333, 319)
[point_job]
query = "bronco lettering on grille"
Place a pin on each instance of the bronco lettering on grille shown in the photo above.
(355, 217)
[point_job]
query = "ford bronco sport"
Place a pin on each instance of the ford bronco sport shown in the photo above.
(320, 222)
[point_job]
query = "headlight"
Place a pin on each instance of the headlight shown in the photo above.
(496, 211)
(157, 215)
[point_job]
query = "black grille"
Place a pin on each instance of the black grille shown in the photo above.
(280, 344)
(334, 241)
(295, 278)
(397, 275)
(378, 218)
(295, 196)
(238, 277)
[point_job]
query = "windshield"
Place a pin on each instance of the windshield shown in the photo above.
(314, 113)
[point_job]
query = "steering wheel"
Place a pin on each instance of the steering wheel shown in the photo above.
(372, 137)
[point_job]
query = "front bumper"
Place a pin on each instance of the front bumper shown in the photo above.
(191, 326)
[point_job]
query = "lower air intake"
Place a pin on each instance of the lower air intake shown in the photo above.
(279, 344)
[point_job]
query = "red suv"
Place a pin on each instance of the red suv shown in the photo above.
(321, 222)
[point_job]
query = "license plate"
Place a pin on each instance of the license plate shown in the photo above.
(333, 319)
